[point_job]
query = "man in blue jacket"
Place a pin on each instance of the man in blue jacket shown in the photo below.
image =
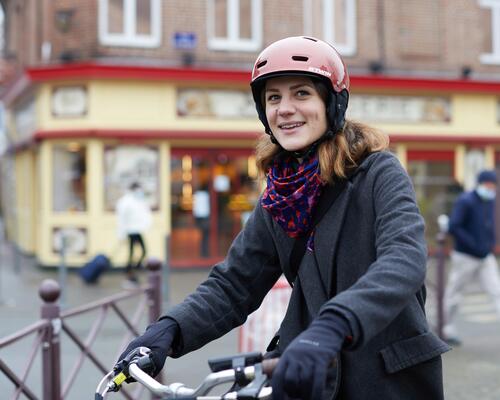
(472, 225)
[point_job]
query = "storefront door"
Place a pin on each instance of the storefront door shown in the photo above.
(212, 193)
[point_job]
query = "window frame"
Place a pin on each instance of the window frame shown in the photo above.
(492, 58)
(350, 47)
(129, 37)
(232, 42)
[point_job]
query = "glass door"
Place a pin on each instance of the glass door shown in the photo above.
(213, 192)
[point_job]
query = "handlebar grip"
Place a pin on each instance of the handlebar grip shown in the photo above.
(269, 365)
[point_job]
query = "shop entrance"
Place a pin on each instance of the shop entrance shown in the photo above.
(212, 193)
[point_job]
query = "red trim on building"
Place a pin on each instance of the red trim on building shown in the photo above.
(108, 71)
(144, 134)
(420, 84)
(431, 155)
(78, 71)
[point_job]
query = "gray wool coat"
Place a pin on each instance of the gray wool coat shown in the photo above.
(369, 265)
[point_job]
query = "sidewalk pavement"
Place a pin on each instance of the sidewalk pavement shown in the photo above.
(470, 371)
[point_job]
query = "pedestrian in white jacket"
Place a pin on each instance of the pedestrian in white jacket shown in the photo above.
(134, 218)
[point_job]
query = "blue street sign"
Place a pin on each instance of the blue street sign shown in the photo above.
(184, 40)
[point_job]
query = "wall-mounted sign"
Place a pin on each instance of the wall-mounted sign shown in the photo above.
(399, 109)
(74, 240)
(69, 101)
(184, 40)
(215, 103)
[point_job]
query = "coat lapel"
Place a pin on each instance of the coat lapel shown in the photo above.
(327, 235)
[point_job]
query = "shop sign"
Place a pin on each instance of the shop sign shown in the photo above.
(399, 109)
(73, 239)
(25, 120)
(215, 103)
(69, 101)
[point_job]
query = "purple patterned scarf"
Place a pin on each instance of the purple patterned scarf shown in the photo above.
(291, 194)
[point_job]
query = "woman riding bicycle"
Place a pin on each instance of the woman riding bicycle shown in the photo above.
(338, 217)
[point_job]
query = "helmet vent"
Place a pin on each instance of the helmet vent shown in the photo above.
(310, 38)
(261, 64)
(300, 58)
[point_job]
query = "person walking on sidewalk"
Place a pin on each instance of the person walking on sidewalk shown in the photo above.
(472, 225)
(338, 218)
(134, 218)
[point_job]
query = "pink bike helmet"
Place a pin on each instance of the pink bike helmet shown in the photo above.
(302, 55)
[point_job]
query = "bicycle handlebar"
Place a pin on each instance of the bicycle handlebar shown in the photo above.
(179, 391)
(251, 380)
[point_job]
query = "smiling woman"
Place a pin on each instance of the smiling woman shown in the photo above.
(338, 217)
(295, 111)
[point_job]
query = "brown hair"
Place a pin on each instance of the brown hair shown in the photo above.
(336, 155)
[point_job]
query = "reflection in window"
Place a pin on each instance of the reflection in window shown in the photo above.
(69, 171)
(126, 164)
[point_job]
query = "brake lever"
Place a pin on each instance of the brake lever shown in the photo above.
(140, 356)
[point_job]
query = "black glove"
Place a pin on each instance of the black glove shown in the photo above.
(159, 338)
(302, 370)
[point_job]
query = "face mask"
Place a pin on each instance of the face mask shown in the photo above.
(485, 193)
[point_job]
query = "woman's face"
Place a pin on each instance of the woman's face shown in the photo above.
(295, 111)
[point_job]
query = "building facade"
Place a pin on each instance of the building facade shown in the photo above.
(108, 92)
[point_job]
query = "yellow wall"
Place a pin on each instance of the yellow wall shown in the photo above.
(471, 114)
(152, 105)
(25, 213)
(133, 105)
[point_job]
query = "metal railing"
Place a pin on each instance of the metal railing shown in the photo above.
(436, 283)
(47, 334)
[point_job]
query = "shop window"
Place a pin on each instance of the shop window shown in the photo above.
(124, 165)
(432, 174)
(234, 25)
(69, 173)
(342, 32)
(130, 23)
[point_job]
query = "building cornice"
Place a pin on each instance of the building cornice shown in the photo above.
(89, 71)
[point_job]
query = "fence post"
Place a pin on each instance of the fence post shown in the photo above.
(154, 295)
(63, 273)
(154, 298)
(49, 292)
(440, 284)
